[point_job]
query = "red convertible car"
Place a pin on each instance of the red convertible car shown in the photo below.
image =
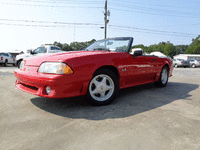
(98, 72)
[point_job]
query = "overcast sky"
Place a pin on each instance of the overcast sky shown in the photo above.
(27, 24)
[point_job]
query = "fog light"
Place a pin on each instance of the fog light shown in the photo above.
(48, 89)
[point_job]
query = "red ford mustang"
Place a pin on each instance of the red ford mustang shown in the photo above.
(98, 72)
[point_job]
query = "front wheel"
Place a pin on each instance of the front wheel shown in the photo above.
(103, 87)
(164, 75)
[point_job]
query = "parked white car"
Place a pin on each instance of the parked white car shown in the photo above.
(195, 63)
(38, 51)
(6, 58)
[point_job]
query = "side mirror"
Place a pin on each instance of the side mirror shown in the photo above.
(137, 53)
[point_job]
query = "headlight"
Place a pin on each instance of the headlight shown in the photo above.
(55, 68)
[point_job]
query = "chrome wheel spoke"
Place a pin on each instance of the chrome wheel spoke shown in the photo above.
(104, 81)
(96, 83)
(102, 94)
(164, 76)
(94, 92)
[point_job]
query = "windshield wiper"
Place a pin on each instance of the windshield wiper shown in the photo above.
(102, 49)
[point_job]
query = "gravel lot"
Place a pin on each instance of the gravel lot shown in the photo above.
(141, 118)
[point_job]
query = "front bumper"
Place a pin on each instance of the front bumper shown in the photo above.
(62, 86)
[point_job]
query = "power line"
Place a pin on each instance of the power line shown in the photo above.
(91, 25)
(52, 6)
(88, 24)
(152, 13)
(150, 30)
(133, 7)
(66, 2)
(127, 3)
(44, 26)
(66, 23)
(125, 30)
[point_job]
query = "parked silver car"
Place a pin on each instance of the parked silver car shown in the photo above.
(180, 63)
(194, 63)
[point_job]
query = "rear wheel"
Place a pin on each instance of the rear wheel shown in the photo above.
(193, 65)
(5, 63)
(103, 87)
(164, 75)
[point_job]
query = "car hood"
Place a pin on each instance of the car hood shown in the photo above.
(38, 60)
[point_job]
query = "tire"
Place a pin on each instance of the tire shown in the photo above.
(176, 66)
(18, 63)
(193, 66)
(103, 87)
(5, 63)
(163, 79)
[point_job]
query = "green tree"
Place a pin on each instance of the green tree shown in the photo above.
(67, 47)
(152, 48)
(81, 45)
(145, 48)
(194, 47)
(58, 44)
(169, 50)
(180, 49)
(74, 46)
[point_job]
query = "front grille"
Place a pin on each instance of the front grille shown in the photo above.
(30, 87)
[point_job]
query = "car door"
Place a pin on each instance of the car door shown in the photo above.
(140, 69)
(11, 59)
(8, 57)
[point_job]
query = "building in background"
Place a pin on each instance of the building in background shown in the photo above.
(187, 56)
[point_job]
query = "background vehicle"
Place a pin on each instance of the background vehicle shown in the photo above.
(180, 63)
(38, 51)
(194, 63)
(6, 58)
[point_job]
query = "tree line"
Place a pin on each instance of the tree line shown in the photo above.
(74, 46)
(166, 48)
(170, 50)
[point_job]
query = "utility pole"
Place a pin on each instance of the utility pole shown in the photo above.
(106, 13)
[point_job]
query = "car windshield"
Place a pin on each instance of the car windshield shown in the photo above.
(40, 50)
(114, 45)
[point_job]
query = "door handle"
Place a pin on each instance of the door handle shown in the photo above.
(154, 59)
